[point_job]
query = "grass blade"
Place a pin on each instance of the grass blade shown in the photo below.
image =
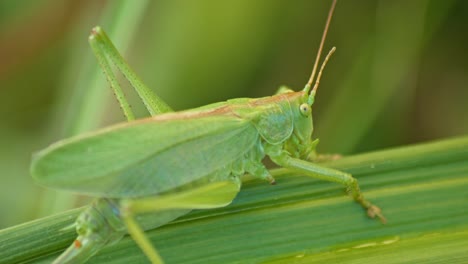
(422, 189)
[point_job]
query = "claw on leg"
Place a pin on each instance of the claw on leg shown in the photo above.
(374, 211)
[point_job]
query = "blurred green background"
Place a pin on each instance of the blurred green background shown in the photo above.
(399, 75)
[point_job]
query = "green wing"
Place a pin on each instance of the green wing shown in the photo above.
(144, 157)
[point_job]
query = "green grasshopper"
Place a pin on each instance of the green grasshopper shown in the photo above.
(148, 172)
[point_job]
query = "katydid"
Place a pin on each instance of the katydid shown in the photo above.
(148, 172)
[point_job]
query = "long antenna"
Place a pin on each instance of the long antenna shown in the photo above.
(317, 59)
(317, 81)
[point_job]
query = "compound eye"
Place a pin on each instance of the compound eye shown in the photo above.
(305, 109)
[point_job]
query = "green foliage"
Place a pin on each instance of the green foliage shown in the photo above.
(422, 189)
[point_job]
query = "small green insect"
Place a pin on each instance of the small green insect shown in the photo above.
(148, 172)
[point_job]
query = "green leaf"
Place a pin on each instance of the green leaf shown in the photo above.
(422, 190)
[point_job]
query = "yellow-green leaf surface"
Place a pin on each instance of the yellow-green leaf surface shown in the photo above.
(423, 191)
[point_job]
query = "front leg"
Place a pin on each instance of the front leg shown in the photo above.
(327, 174)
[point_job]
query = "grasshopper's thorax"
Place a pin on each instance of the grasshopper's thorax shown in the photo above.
(286, 120)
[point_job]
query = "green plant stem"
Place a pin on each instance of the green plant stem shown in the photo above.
(422, 189)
